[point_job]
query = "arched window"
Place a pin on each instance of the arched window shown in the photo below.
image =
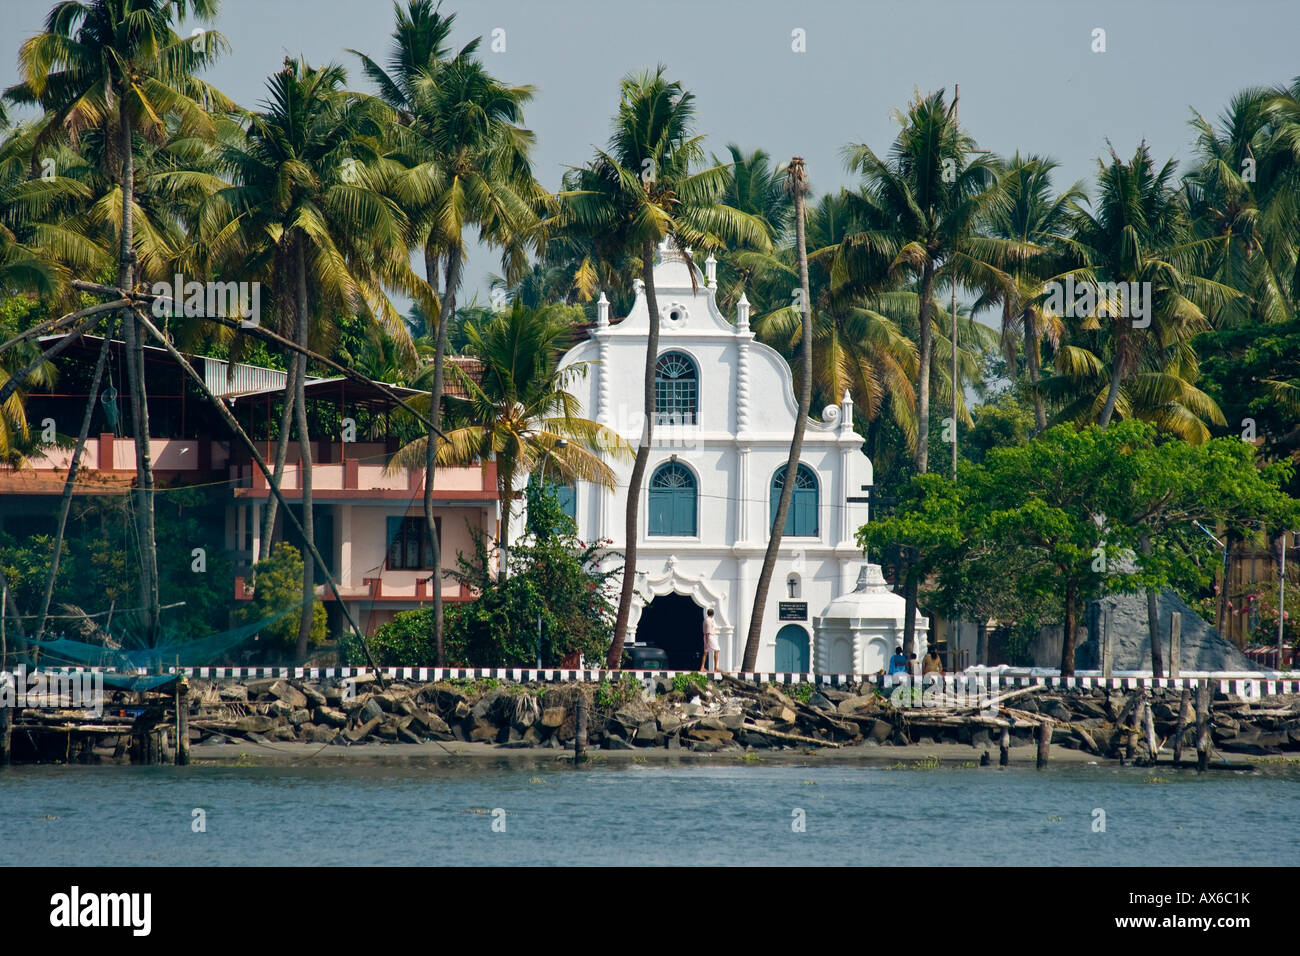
(677, 390)
(672, 501)
(801, 519)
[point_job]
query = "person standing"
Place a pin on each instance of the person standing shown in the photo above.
(710, 640)
(933, 663)
(898, 663)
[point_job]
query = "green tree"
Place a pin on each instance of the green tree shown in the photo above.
(278, 588)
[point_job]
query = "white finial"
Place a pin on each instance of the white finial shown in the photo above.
(846, 412)
(711, 272)
(742, 313)
(602, 312)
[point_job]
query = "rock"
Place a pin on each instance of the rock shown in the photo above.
(615, 743)
(711, 723)
(820, 701)
(705, 746)
(260, 687)
(633, 714)
(751, 738)
(486, 704)
(780, 713)
(487, 733)
(289, 694)
(279, 708)
(361, 731)
(881, 730)
(314, 697)
(648, 735)
(733, 722)
(531, 737)
(851, 705)
(669, 722)
(552, 717)
(716, 736)
(327, 715)
(674, 742)
(1056, 710)
(254, 723)
(406, 735)
(300, 717)
(445, 699)
(371, 710)
(284, 732)
(1162, 711)
(664, 685)
(321, 734)
(333, 697)
(233, 692)
(461, 710)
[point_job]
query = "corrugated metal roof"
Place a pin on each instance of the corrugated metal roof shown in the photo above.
(225, 379)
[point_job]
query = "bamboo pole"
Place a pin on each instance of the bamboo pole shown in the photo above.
(1152, 748)
(232, 423)
(580, 731)
(65, 502)
(1004, 747)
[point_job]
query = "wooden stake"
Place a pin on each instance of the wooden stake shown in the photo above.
(580, 731)
(1202, 725)
(1044, 743)
(1152, 748)
(1181, 730)
(1004, 747)
(182, 722)
(1175, 641)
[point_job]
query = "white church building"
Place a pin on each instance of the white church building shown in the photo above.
(725, 414)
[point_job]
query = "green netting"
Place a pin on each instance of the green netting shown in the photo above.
(197, 652)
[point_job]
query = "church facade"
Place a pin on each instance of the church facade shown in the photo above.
(725, 413)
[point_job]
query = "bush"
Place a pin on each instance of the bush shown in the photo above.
(279, 587)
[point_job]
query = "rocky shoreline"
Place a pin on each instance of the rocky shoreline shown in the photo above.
(685, 714)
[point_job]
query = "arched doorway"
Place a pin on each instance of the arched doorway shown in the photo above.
(792, 655)
(674, 623)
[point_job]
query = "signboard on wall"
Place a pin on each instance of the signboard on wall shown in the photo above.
(792, 611)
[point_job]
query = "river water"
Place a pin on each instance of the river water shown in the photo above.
(489, 813)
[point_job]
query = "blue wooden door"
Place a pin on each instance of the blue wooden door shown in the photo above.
(792, 650)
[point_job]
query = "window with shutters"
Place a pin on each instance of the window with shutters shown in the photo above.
(801, 519)
(672, 501)
(677, 389)
(409, 548)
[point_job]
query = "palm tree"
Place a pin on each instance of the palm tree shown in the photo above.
(1038, 221)
(1241, 198)
(754, 186)
(467, 159)
(303, 211)
(797, 184)
(119, 67)
(920, 211)
(520, 412)
(634, 195)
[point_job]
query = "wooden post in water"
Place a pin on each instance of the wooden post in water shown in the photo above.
(1175, 641)
(182, 722)
(1181, 730)
(1044, 743)
(1004, 746)
(6, 733)
(1135, 721)
(580, 730)
(1152, 746)
(1203, 726)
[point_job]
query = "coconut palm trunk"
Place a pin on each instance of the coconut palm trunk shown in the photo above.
(925, 322)
(304, 444)
(431, 445)
(632, 524)
(798, 186)
(144, 516)
(1034, 362)
(65, 502)
(281, 452)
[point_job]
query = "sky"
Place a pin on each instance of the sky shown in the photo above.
(1029, 76)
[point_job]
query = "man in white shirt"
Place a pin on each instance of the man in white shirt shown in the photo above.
(710, 641)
